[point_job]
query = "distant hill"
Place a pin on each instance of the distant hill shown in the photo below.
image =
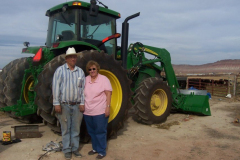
(220, 67)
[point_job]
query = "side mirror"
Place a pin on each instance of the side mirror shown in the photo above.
(93, 8)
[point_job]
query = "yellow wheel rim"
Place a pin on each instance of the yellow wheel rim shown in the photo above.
(159, 102)
(28, 87)
(116, 99)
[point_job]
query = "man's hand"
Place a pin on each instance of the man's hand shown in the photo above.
(58, 109)
(107, 111)
(81, 108)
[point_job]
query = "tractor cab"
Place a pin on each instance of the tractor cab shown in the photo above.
(71, 22)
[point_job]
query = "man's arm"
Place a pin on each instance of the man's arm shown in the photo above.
(81, 106)
(56, 90)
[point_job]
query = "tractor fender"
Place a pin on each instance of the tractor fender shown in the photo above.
(32, 50)
(149, 71)
(65, 44)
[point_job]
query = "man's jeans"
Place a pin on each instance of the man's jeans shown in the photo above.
(70, 120)
(97, 129)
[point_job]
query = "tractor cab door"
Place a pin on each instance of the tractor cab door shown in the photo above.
(93, 29)
(63, 26)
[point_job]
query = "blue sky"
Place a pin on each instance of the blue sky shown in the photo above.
(193, 31)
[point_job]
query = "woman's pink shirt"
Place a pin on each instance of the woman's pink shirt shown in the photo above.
(95, 97)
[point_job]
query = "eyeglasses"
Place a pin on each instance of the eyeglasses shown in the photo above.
(92, 69)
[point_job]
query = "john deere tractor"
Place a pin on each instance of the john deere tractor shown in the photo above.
(26, 83)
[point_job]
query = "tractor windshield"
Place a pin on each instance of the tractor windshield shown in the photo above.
(78, 25)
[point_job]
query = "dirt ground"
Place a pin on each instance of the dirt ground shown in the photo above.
(189, 137)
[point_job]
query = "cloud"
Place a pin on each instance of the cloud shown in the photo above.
(193, 31)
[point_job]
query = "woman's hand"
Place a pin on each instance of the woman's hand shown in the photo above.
(107, 111)
(81, 108)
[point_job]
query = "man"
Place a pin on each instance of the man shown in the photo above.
(68, 100)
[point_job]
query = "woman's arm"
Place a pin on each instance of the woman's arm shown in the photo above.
(107, 110)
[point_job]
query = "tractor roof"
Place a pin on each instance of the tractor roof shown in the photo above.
(81, 4)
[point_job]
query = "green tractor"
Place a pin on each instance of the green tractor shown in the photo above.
(25, 83)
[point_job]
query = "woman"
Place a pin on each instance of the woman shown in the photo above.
(97, 92)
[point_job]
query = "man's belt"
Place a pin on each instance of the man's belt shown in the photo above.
(71, 103)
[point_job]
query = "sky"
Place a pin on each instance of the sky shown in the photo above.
(193, 31)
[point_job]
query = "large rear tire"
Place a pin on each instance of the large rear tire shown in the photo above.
(111, 68)
(13, 82)
(13, 86)
(152, 101)
(3, 76)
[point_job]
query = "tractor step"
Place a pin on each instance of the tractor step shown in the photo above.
(27, 131)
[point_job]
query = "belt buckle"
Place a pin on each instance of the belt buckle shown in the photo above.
(73, 103)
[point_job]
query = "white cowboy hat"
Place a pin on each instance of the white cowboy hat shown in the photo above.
(71, 51)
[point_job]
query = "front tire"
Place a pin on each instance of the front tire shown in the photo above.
(13, 82)
(3, 76)
(152, 101)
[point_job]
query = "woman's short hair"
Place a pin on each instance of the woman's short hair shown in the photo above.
(90, 64)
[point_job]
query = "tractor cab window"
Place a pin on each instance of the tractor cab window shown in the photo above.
(62, 27)
(95, 29)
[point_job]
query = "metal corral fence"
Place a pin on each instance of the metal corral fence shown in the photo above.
(237, 86)
(221, 87)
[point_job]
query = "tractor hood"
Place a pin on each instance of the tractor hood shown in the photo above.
(65, 44)
(33, 50)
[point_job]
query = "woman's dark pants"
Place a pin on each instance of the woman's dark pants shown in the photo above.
(97, 129)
